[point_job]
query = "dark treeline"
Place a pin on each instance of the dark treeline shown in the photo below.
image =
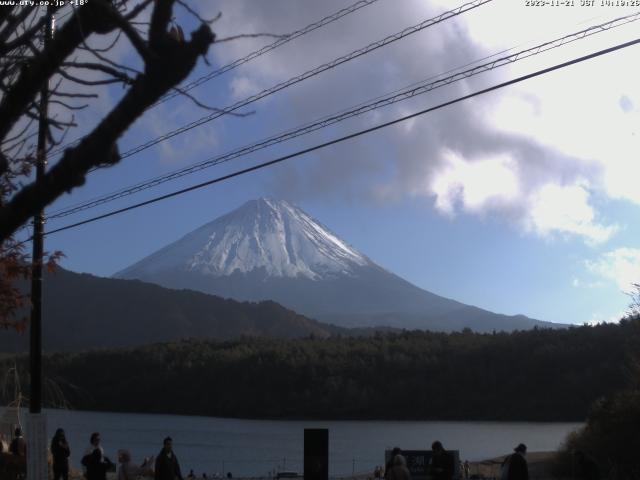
(610, 437)
(528, 375)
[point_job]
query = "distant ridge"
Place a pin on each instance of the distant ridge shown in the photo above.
(271, 250)
(82, 312)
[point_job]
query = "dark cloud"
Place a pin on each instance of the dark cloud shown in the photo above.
(403, 159)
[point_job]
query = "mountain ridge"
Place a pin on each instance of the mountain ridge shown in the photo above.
(82, 312)
(270, 249)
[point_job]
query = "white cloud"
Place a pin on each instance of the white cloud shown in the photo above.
(598, 318)
(578, 283)
(621, 266)
(535, 154)
(493, 184)
(566, 210)
(571, 112)
(243, 86)
(181, 149)
(473, 184)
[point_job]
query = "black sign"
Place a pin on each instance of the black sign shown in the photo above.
(316, 454)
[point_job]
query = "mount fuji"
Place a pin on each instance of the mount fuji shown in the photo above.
(271, 250)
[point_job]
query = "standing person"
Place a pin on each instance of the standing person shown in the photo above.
(167, 466)
(515, 465)
(96, 465)
(127, 469)
(466, 468)
(377, 472)
(60, 452)
(18, 445)
(441, 463)
(94, 444)
(389, 465)
(95, 460)
(398, 470)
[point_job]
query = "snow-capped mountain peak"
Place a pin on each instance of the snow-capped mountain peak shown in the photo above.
(271, 250)
(266, 235)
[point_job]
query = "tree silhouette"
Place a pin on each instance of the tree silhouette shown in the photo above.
(76, 68)
(634, 306)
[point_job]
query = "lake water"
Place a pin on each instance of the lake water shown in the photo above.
(255, 447)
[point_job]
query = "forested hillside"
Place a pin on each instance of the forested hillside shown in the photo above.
(82, 311)
(528, 375)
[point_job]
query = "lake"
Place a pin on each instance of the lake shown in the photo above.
(256, 447)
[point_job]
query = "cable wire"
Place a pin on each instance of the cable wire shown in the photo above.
(241, 61)
(350, 136)
(306, 75)
(381, 101)
(267, 48)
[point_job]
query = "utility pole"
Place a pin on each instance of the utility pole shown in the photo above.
(37, 468)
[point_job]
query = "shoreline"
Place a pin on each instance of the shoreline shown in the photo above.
(317, 419)
(540, 468)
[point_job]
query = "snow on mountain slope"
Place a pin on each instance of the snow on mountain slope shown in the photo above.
(266, 234)
(270, 250)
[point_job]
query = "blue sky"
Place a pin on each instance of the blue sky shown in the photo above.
(520, 201)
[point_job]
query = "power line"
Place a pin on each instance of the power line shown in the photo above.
(267, 48)
(350, 136)
(255, 54)
(306, 75)
(357, 53)
(381, 101)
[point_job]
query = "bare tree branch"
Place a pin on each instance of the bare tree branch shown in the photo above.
(69, 106)
(43, 66)
(137, 10)
(12, 22)
(22, 39)
(134, 37)
(123, 77)
(207, 107)
(73, 95)
(19, 134)
(5, 13)
(26, 66)
(117, 65)
(160, 19)
(82, 81)
(162, 73)
(103, 49)
(197, 15)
